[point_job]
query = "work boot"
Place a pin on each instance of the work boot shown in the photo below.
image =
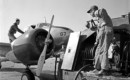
(94, 71)
(102, 72)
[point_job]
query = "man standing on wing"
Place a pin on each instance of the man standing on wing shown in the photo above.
(104, 36)
(13, 30)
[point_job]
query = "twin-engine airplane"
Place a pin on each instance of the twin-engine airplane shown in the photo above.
(28, 47)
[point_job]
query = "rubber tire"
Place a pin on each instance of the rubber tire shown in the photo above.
(79, 74)
(126, 50)
(29, 75)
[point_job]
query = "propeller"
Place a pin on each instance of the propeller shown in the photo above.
(43, 54)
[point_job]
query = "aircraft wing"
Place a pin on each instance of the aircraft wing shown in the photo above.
(4, 49)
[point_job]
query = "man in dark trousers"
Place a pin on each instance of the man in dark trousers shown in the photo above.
(104, 38)
(13, 30)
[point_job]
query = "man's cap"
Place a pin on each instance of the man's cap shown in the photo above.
(94, 7)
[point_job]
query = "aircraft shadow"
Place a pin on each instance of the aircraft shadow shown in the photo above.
(13, 69)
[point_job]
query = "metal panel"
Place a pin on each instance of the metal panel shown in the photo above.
(70, 51)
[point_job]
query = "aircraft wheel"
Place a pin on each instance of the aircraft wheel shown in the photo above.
(27, 75)
(126, 64)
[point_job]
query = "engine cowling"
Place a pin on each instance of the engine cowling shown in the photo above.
(28, 47)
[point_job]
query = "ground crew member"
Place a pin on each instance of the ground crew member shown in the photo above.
(13, 30)
(114, 54)
(104, 37)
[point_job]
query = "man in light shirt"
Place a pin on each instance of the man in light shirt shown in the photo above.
(104, 36)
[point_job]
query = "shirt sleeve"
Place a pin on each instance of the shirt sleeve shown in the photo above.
(16, 28)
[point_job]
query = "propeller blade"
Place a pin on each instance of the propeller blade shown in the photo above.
(43, 54)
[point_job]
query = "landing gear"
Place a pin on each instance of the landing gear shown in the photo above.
(27, 75)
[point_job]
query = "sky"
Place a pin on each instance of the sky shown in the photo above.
(68, 13)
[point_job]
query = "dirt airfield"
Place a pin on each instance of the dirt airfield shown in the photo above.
(13, 71)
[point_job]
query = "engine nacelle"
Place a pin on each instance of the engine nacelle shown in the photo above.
(28, 47)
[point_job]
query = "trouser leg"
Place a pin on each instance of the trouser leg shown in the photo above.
(97, 62)
(104, 56)
(99, 50)
(11, 37)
